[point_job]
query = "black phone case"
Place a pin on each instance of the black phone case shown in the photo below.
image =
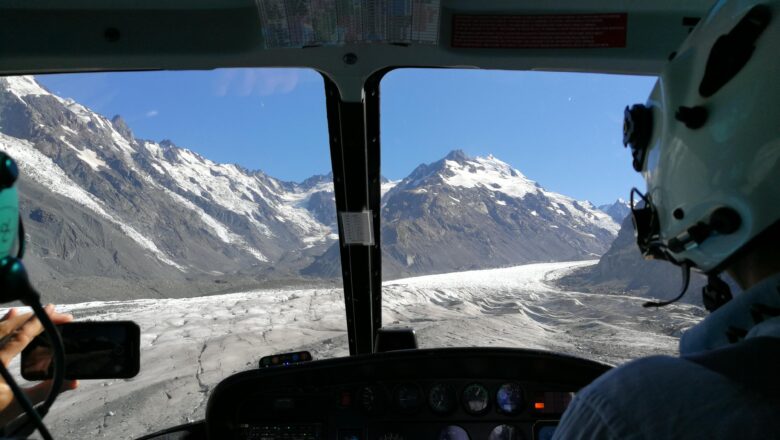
(134, 336)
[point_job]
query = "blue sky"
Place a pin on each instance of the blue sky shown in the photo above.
(560, 129)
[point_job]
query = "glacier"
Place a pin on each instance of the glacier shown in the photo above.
(189, 345)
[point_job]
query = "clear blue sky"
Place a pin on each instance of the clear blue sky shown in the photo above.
(560, 129)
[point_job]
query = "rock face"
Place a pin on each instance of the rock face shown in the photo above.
(99, 203)
(623, 270)
(96, 201)
(464, 213)
(618, 210)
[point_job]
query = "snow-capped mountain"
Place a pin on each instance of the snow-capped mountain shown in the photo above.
(99, 202)
(463, 213)
(618, 210)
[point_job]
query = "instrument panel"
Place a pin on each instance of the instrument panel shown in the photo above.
(448, 394)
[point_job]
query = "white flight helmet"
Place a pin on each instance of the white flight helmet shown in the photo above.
(708, 140)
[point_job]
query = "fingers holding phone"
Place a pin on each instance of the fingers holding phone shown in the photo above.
(17, 330)
(93, 350)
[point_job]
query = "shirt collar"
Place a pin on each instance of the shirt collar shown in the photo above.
(751, 313)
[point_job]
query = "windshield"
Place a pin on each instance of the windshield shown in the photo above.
(178, 200)
(200, 205)
(505, 219)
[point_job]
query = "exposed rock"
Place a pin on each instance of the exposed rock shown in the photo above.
(121, 126)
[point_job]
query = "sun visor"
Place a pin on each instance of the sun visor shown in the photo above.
(311, 23)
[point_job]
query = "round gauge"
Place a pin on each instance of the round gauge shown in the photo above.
(453, 432)
(476, 398)
(509, 398)
(505, 432)
(442, 398)
(371, 399)
(407, 397)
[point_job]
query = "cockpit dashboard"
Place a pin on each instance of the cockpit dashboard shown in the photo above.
(454, 394)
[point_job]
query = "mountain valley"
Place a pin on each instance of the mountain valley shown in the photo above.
(110, 215)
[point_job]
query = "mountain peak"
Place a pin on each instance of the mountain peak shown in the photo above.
(457, 156)
(316, 180)
(619, 202)
(121, 126)
(618, 210)
(22, 86)
(167, 144)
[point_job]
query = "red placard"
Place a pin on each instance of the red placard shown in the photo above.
(565, 31)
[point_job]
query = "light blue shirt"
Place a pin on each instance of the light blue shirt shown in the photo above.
(663, 397)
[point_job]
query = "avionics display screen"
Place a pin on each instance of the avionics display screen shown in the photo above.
(545, 430)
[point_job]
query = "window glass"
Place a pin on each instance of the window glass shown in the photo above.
(178, 200)
(505, 216)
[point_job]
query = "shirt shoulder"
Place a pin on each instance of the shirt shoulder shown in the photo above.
(663, 397)
(600, 409)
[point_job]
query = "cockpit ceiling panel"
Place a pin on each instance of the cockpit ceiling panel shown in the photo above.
(80, 35)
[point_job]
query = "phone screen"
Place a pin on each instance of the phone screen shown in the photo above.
(93, 350)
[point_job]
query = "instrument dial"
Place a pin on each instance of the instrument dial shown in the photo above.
(505, 432)
(476, 399)
(372, 399)
(509, 398)
(453, 432)
(442, 398)
(407, 397)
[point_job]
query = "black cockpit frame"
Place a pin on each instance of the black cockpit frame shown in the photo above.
(353, 129)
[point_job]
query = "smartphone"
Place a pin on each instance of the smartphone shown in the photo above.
(93, 350)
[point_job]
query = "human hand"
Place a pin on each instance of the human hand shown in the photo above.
(17, 330)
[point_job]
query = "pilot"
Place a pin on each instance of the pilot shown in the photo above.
(708, 145)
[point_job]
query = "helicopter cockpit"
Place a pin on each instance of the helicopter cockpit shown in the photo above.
(393, 385)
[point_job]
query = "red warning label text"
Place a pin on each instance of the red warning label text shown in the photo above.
(569, 31)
